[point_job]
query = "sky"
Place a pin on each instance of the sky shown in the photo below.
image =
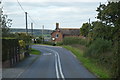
(68, 13)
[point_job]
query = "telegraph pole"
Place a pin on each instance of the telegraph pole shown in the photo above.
(0, 40)
(89, 23)
(89, 26)
(26, 23)
(42, 33)
(100, 13)
(32, 29)
(0, 17)
(89, 20)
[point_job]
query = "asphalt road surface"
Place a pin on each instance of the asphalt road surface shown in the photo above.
(56, 62)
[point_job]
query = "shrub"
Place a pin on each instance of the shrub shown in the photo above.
(74, 40)
(39, 41)
(98, 47)
(48, 42)
(83, 41)
(59, 43)
(101, 51)
(22, 43)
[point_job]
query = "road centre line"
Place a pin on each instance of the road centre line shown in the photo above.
(60, 67)
(57, 66)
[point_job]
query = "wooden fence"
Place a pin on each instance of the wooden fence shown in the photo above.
(10, 52)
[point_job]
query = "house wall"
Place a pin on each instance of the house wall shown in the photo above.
(60, 37)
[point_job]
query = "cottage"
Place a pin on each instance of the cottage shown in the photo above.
(59, 33)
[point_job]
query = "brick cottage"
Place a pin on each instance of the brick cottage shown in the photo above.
(59, 33)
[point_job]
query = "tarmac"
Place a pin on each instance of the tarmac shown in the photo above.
(19, 68)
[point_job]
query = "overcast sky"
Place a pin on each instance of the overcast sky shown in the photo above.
(69, 13)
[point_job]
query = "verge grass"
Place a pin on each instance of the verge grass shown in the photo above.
(90, 64)
(35, 52)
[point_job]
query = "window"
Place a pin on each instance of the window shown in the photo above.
(57, 35)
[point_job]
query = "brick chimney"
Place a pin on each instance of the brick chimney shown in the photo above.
(57, 26)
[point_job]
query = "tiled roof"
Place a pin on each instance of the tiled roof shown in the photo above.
(70, 31)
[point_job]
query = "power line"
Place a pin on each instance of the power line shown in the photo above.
(25, 12)
(21, 6)
(31, 19)
(0, 1)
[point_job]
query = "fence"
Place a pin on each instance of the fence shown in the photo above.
(10, 52)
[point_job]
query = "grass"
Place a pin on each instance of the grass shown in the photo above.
(90, 64)
(41, 44)
(35, 52)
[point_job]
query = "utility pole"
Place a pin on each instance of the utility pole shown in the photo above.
(89, 20)
(42, 33)
(0, 40)
(0, 17)
(1, 13)
(32, 29)
(89, 23)
(100, 12)
(26, 23)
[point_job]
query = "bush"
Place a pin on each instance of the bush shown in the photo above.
(38, 41)
(59, 43)
(48, 42)
(98, 47)
(22, 43)
(74, 40)
(102, 52)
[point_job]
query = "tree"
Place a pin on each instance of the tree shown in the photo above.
(110, 15)
(100, 30)
(85, 29)
(23, 36)
(39, 39)
(5, 23)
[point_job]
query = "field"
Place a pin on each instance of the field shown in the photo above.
(36, 32)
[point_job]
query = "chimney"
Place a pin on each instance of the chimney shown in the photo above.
(57, 25)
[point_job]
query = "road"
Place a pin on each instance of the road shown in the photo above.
(56, 62)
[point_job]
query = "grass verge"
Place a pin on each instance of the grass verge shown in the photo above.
(35, 52)
(41, 44)
(90, 64)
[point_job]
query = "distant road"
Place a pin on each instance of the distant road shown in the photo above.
(56, 62)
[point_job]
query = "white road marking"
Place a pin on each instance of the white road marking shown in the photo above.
(58, 66)
(47, 54)
(50, 46)
(19, 75)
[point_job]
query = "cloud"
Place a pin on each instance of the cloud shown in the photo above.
(56, 0)
(68, 14)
